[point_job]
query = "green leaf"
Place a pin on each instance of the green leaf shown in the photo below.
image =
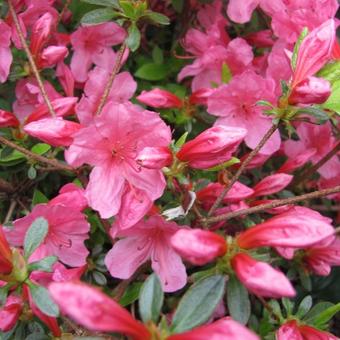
(225, 165)
(316, 310)
(306, 281)
(13, 158)
(316, 112)
(288, 305)
(198, 303)
(297, 46)
(322, 318)
(128, 9)
(226, 74)
(330, 71)
(238, 300)
(151, 299)
(32, 172)
(152, 71)
(41, 148)
(38, 197)
(35, 235)
(333, 101)
(44, 265)
(133, 39)
(157, 55)
(108, 3)
(178, 5)
(157, 18)
(181, 140)
(264, 103)
(131, 294)
(42, 299)
(98, 16)
(284, 87)
(99, 278)
(304, 306)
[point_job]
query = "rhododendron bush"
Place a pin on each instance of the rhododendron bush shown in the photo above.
(169, 169)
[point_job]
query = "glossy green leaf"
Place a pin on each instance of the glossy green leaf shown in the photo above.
(304, 306)
(134, 36)
(152, 71)
(198, 303)
(98, 16)
(108, 3)
(131, 294)
(297, 46)
(151, 299)
(41, 148)
(44, 265)
(157, 18)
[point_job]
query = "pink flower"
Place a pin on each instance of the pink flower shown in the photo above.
(241, 11)
(272, 184)
(198, 246)
(89, 42)
(10, 312)
(297, 228)
(225, 328)
(52, 55)
(155, 157)
(67, 231)
(94, 310)
(123, 88)
(235, 104)
(71, 196)
(321, 256)
(213, 146)
(146, 240)
(5, 254)
(112, 144)
(260, 278)
(8, 119)
(160, 99)
(54, 131)
(312, 90)
(65, 78)
(314, 52)
(292, 331)
(5, 51)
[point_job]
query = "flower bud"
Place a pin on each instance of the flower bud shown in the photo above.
(54, 131)
(160, 99)
(260, 278)
(312, 90)
(155, 157)
(8, 119)
(10, 312)
(198, 246)
(211, 147)
(5, 255)
(51, 55)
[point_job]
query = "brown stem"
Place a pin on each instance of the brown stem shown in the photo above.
(273, 204)
(31, 59)
(112, 77)
(12, 206)
(6, 186)
(311, 170)
(38, 158)
(269, 308)
(240, 170)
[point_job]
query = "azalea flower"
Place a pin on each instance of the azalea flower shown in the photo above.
(111, 144)
(160, 99)
(5, 51)
(147, 240)
(67, 231)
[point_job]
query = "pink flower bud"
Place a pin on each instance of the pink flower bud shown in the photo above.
(272, 184)
(51, 55)
(160, 99)
(297, 228)
(155, 157)
(5, 255)
(8, 119)
(198, 246)
(200, 96)
(54, 131)
(260, 278)
(10, 312)
(213, 146)
(94, 310)
(312, 90)
(314, 51)
(225, 328)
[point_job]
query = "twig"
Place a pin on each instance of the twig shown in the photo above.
(12, 206)
(112, 77)
(273, 204)
(240, 170)
(41, 159)
(309, 171)
(6, 186)
(31, 59)
(269, 308)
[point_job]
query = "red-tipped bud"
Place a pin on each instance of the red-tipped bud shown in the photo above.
(312, 90)
(54, 131)
(160, 99)
(10, 312)
(260, 278)
(297, 228)
(272, 184)
(198, 246)
(94, 310)
(213, 146)
(8, 119)
(200, 96)
(5, 255)
(155, 157)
